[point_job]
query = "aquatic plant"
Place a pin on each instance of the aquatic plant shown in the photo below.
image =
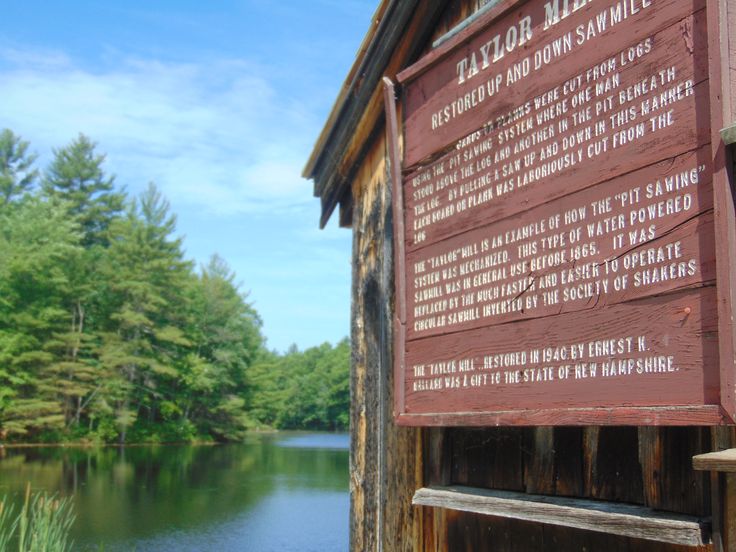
(42, 525)
(7, 523)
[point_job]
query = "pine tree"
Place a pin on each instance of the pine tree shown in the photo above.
(37, 241)
(16, 167)
(107, 332)
(226, 338)
(76, 176)
(144, 340)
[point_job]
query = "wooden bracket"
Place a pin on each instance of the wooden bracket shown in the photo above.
(722, 465)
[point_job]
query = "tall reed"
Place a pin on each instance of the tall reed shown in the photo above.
(8, 523)
(42, 525)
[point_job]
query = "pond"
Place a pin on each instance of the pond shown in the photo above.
(274, 492)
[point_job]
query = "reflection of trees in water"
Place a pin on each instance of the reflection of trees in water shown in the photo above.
(136, 491)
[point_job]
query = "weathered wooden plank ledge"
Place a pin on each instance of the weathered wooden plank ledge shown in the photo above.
(720, 461)
(612, 518)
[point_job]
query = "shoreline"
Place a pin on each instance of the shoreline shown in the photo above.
(88, 445)
(82, 444)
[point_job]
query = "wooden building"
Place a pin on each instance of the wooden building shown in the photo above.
(597, 476)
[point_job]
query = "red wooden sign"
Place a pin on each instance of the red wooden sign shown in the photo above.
(562, 253)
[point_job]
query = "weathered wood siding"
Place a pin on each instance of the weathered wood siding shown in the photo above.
(644, 466)
(385, 459)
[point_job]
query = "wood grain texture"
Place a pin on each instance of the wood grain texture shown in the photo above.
(485, 273)
(507, 182)
(539, 476)
(590, 458)
(437, 86)
(399, 239)
(646, 466)
(434, 537)
(721, 115)
(357, 116)
(617, 474)
(616, 519)
(480, 533)
(488, 459)
(569, 478)
(469, 532)
(683, 489)
(651, 451)
(721, 461)
(546, 266)
(669, 328)
(664, 416)
(385, 461)
(454, 15)
(723, 526)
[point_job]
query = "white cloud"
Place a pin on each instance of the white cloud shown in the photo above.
(213, 135)
(226, 142)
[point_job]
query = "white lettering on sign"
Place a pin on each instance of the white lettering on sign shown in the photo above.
(626, 356)
(480, 60)
(582, 252)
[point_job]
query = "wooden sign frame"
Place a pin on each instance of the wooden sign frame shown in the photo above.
(663, 353)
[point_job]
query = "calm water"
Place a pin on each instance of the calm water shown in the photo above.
(281, 493)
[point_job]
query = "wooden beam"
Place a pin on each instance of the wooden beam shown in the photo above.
(590, 515)
(723, 198)
(401, 33)
(631, 416)
(721, 461)
(366, 76)
(464, 23)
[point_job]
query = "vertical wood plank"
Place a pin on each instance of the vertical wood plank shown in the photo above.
(385, 460)
(617, 472)
(650, 458)
(723, 495)
(590, 458)
(685, 490)
(437, 457)
(568, 445)
(490, 458)
(434, 530)
(723, 198)
(669, 481)
(477, 533)
(729, 511)
(393, 160)
(401, 523)
(539, 468)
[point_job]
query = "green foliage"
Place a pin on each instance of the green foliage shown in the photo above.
(37, 240)
(108, 334)
(16, 172)
(8, 523)
(42, 525)
(76, 176)
(303, 390)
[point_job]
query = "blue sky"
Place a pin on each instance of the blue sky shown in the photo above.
(218, 103)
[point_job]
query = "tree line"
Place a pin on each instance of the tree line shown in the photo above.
(108, 334)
